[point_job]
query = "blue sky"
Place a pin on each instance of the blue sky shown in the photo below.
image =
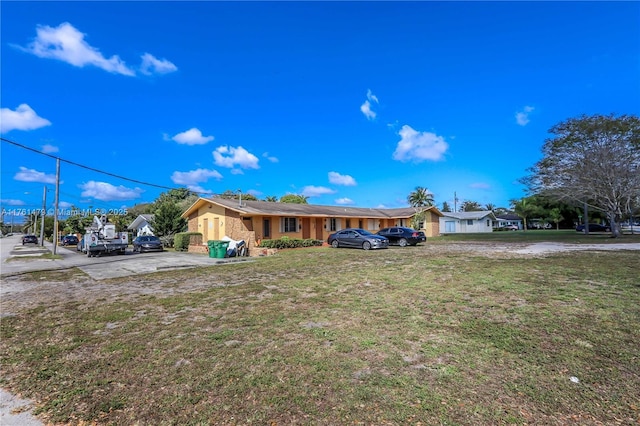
(348, 103)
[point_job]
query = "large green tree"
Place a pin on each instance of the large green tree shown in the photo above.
(235, 195)
(526, 208)
(594, 160)
(470, 206)
(167, 221)
(294, 198)
(420, 197)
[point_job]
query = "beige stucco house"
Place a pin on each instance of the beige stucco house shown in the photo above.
(253, 221)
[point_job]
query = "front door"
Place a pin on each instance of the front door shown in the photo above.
(266, 229)
(306, 228)
(319, 224)
(205, 230)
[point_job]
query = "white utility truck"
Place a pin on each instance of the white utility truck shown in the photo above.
(101, 237)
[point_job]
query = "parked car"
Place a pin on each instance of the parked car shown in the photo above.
(69, 240)
(594, 227)
(29, 239)
(359, 238)
(510, 227)
(147, 243)
(403, 236)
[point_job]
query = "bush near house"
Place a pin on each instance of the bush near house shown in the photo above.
(181, 240)
(286, 242)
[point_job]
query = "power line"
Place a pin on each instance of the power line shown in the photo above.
(86, 167)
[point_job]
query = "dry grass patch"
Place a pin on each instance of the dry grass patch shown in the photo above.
(323, 336)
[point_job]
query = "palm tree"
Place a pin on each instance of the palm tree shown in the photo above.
(271, 198)
(421, 197)
(524, 209)
(490, 206)
(470, 206)
(555, 216)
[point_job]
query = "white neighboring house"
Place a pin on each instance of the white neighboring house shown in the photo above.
(508, 219)
(466, 222)
(141, 225)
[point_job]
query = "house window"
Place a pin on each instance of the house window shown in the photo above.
(333, 226)
(289, 224)
(488, 222)
(469, 221)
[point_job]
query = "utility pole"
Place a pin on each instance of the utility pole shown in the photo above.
(44, 206)
(586, 218)
(55, 208)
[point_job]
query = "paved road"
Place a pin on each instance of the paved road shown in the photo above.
(102, 267)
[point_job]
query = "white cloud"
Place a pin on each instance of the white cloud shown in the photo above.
(192, 178)
(237, 172)
(365, 108)
(104, 191)
(12, 202)
(198, 189)
(255, 193)
(31, 175)
(49, 149)
(315, 191)
(371, 97)
(23, 118)
(152, 65)
(344, 201)
(64, 205)
(338, 179)
(270, 158)
(419, 146)
(522, 117)
(65, 43)
(225, 156)
(192, 136)
(480, 185)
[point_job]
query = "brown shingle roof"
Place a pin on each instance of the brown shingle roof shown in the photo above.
(267, 208)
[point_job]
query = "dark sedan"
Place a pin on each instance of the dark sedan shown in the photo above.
(29, 239)
(403, 236)
(358, 238)
(69, 240)
(594, 227)
(147, 243)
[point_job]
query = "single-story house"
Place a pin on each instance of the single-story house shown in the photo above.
(253, 221)
(141, 225)
(508, 219)
(467, 222)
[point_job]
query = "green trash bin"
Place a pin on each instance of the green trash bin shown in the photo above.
(213, 248)
(221, 249)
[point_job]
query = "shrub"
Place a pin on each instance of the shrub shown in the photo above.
(287, 242)
(181, 240)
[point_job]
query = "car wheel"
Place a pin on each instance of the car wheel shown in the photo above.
(366, 245)
(402, 242)
(335, 244)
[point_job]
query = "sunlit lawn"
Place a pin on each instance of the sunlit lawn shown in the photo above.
(421, 335)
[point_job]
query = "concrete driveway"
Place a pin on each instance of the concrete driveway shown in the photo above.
(17, 259)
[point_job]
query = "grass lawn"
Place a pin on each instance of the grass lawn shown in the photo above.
(421, 335)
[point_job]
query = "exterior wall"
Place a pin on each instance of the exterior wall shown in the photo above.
(432, 225)
(192, 223)
(206, 220)
(237, 228)
(461, 226)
